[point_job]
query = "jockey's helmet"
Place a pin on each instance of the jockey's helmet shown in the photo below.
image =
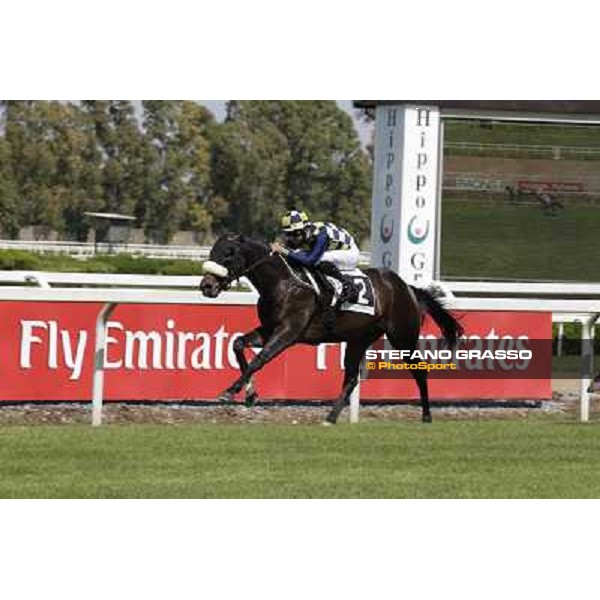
(294, 220)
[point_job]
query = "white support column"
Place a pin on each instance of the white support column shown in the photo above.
(355, 403)
(561, 335)
(406, 191)
(99, 357)
(587, 365)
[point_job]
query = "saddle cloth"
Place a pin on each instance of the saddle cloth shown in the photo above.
(366, 296)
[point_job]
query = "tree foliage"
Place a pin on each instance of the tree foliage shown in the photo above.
(310, 154)
(174, 167)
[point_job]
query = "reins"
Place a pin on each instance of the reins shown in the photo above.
(293, 274)
(231, 278)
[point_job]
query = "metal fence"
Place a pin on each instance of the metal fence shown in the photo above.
(87, 250)
(555, 152)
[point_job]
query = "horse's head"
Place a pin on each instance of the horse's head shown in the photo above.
(226, 262)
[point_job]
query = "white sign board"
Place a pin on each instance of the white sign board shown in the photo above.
(405, 191)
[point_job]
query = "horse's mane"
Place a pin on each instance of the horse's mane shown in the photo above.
(242, 239)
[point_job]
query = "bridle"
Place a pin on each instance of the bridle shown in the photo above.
(227, 281)
(224, 283)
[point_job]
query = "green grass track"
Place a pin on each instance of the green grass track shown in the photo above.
(498, 240)
(534, 458)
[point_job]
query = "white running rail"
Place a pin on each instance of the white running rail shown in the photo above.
(577, 302)
(87, 250)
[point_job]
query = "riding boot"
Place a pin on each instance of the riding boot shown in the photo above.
(329, 314)
(349, 290)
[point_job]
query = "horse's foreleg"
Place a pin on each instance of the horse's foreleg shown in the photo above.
(354, 354)
(252, 339)
(275, 345)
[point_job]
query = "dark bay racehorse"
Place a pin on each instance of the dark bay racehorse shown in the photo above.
(290, 313)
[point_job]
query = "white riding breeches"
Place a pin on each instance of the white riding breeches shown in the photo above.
(344, 260)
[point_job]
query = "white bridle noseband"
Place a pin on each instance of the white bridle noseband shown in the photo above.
(212, 268)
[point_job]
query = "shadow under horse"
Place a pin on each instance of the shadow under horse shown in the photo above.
(290, 313)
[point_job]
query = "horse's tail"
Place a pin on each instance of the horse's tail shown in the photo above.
(449, 325)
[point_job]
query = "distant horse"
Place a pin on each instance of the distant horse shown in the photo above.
(550, 205)
(290, 313)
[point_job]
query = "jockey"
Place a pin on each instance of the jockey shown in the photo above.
(324, 245)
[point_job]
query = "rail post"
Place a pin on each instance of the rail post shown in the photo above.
(99, 358)
(561, 335)
(355, 402)
(587, 365)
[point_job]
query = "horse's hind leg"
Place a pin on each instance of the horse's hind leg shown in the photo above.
(354, 354)
(419, 375)
(402, 326)
(252, 339)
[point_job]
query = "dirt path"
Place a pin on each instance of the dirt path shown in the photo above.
(563, 402)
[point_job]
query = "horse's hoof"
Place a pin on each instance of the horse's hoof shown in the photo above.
(426, 419)
(330, 420)
(250, 400)
(225, 398)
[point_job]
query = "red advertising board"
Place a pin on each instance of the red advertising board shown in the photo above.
(550, 186)
(183, 352)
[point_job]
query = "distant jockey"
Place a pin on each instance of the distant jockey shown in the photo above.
(326, 246)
